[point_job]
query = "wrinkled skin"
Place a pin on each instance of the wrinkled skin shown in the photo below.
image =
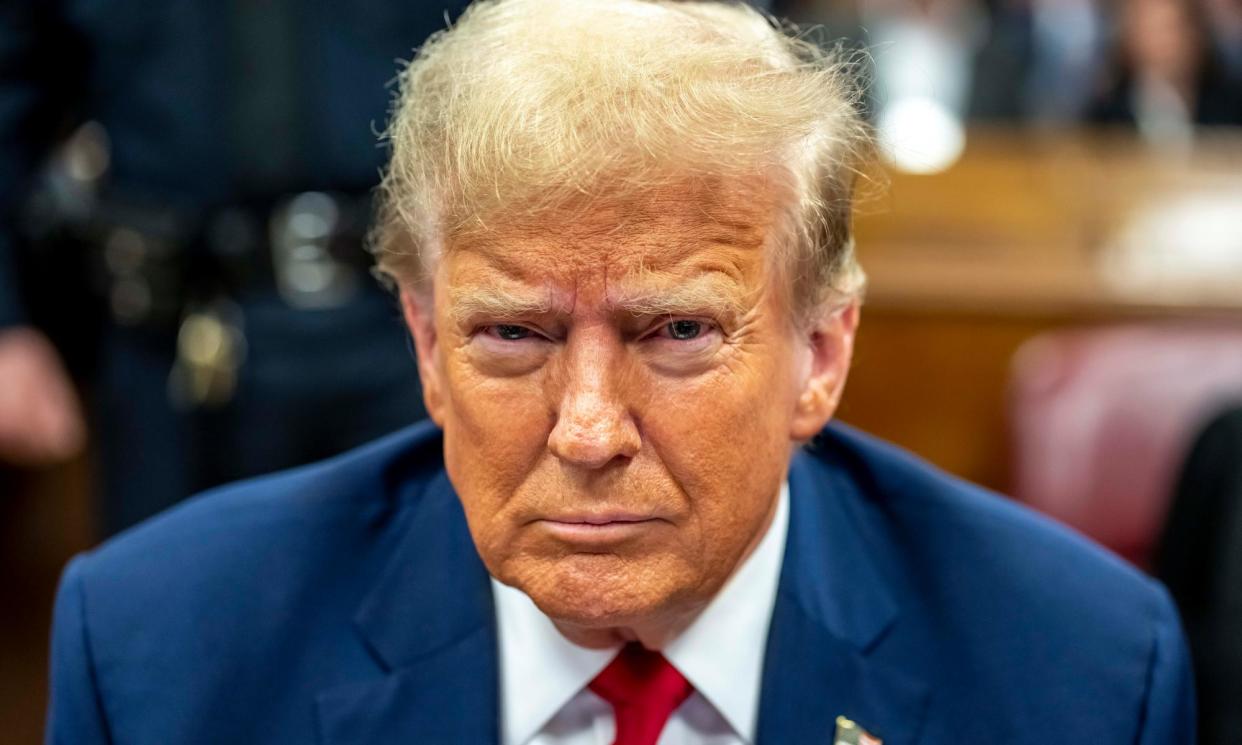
(632, 364)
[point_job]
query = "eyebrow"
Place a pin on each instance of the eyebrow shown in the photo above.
(496, 301)
(715, 292)
(712, 291)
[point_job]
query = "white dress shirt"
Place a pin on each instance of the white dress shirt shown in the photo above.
(543, 676)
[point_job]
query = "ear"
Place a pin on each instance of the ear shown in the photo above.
(824, 366)
(419, 312)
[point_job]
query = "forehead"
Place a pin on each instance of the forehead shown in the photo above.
(689, 227)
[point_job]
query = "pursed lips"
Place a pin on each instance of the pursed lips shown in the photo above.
(602, 518)
(598, 527)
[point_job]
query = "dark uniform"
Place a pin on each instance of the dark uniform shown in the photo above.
(240, 331)
(1200, 559)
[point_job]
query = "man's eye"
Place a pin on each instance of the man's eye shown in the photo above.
(683, 330)
(510, 332)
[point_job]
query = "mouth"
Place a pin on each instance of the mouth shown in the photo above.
(598, 529)
(600, 518)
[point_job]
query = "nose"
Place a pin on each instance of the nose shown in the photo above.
(593, 424)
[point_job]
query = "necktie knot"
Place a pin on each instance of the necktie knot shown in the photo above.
(644, 690)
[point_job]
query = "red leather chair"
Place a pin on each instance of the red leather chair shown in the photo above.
(1102, 419)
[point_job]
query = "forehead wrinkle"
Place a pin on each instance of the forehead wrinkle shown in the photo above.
(618, 244)
(703, 230)
(691, 216)
(733, 229)
(504, 255)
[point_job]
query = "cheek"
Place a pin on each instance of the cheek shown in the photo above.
(495, 434)
(505, 417)
(725, 439)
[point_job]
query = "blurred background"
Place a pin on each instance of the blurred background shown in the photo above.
(1053, 239)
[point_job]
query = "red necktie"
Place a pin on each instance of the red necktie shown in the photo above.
(644, 690)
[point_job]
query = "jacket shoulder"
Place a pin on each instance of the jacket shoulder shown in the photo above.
(973, 530)
(244, 594)
(1003, 605)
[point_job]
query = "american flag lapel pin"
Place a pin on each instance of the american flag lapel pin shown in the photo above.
(849, 733)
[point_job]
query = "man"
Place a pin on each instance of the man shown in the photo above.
(620, 232)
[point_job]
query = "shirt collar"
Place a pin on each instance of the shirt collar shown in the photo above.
(721, 652)
(541, 670)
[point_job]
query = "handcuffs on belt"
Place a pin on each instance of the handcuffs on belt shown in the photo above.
(315, 261)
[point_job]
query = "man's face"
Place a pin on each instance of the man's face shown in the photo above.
(619, 388)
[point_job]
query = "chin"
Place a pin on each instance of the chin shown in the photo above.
(597, 591)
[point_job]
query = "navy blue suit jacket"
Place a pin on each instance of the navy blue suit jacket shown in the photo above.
(344, 603)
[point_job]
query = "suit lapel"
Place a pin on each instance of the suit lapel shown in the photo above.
(832, 612)
(429, 623)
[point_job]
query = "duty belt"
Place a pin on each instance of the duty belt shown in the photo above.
(164, 270)
(308, 247)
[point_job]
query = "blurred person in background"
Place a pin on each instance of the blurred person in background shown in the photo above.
(1164, 65)
(1042, 61)
(922, 51)
(1225, 19)
(1068, 47)
(202, 236)
(1166, 77)
(916, 55)
(1200, 559)
(1051, 49)
(994, 60)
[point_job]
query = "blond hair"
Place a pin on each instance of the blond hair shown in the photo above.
(530, 105)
